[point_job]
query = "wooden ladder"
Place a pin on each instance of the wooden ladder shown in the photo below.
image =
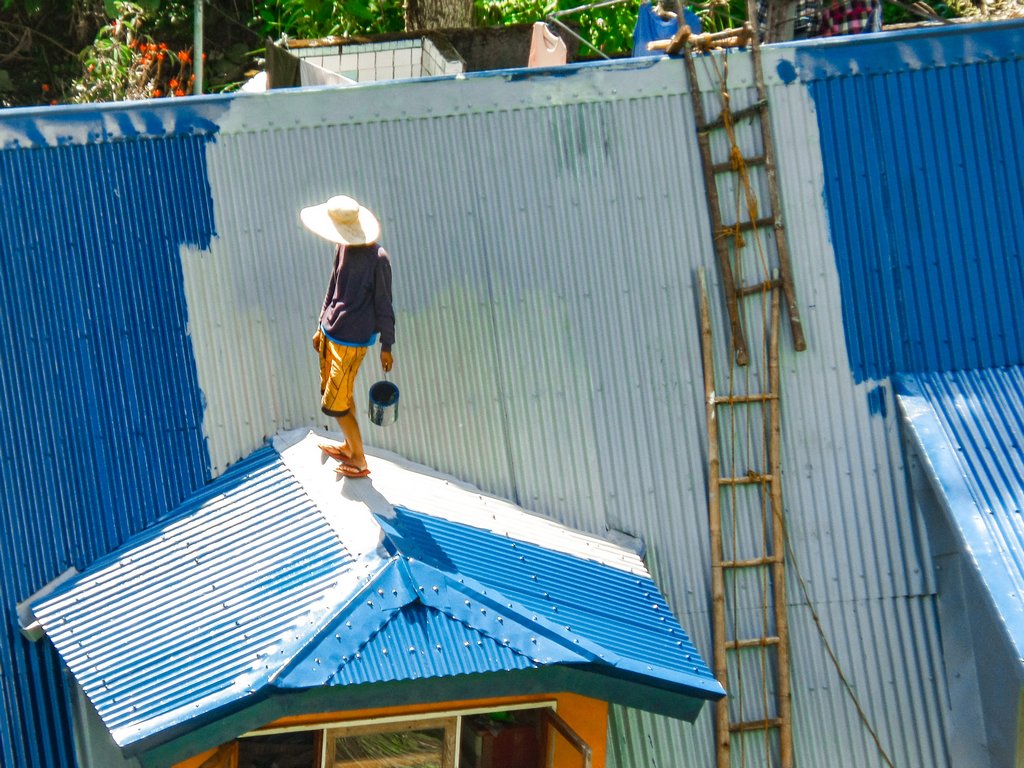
(761, 568)
(735, 238)
(753, 724)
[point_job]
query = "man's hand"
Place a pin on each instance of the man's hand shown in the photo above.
(318, 339)
(386, 361)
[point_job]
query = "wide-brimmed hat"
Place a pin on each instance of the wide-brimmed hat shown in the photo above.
(341, 220)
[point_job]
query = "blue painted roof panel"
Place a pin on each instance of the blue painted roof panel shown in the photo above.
(901, 312)
(420, 642)
(199, 612)
(620, 611)
(95, 231)
(264, 581)
(969, 426)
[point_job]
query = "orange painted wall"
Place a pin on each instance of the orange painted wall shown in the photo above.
(227, 755)
(588, 717)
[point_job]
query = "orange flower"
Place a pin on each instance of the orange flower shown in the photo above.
(45, 87)
(157, 93)
(173, 83)
(163, 46)
(184, 56)
(179, 91)
(161, 56)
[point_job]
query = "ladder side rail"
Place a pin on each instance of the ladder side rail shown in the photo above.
(781, 241)
(778, 567)
(722, 725)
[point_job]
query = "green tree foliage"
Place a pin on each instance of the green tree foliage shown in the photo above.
(309, 19)
(124, 62)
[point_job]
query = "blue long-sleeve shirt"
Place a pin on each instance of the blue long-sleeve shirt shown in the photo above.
(358, 302)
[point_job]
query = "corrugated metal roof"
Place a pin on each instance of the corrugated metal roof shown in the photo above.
(545, 231)
(938, 176)
(969, 426)
(279, 576)
(198, 612)
(421, 642)
(91, 297)
(965, 432)
(620, 611)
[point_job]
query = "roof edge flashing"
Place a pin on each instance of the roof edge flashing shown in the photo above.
(29, 625)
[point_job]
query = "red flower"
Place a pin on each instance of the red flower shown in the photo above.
(157, 93)
(161, 56)
(184, 56)
(173, 83)
(163, 46)
(179, 91)
(45, 87)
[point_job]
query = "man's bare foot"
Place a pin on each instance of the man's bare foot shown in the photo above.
(337, 452)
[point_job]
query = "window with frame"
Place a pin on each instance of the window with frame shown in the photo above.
(521, 736)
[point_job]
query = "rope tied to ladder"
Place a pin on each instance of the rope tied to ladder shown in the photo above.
(738, 163)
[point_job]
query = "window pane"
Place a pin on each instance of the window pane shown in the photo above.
(400, 749)
(503, 740)
(296, 749)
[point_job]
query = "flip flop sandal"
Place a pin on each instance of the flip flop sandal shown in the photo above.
(347, 470)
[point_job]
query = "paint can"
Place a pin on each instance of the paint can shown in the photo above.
(383, 403)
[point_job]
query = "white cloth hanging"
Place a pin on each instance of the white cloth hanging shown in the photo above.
(546, 48)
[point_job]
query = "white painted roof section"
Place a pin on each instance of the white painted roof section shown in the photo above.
(349, 505)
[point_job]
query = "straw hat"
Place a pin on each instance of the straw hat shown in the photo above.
(341, 220)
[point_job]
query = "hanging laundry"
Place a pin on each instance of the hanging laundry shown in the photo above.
(651, 26)
(850, 17)
(546, 48)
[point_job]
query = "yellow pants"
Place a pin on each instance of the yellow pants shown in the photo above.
(338, 368)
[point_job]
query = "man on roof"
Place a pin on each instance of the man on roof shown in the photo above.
(356, 311)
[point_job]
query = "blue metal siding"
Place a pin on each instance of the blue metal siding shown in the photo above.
(102, 410)
(922, 185)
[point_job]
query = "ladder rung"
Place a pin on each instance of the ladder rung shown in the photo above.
(740, 114)
(727, 230)
(757, 642)
(753, 562)
(762, 287)
(739, 399)
(727, 166)
(751, 479)
(756, 725)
